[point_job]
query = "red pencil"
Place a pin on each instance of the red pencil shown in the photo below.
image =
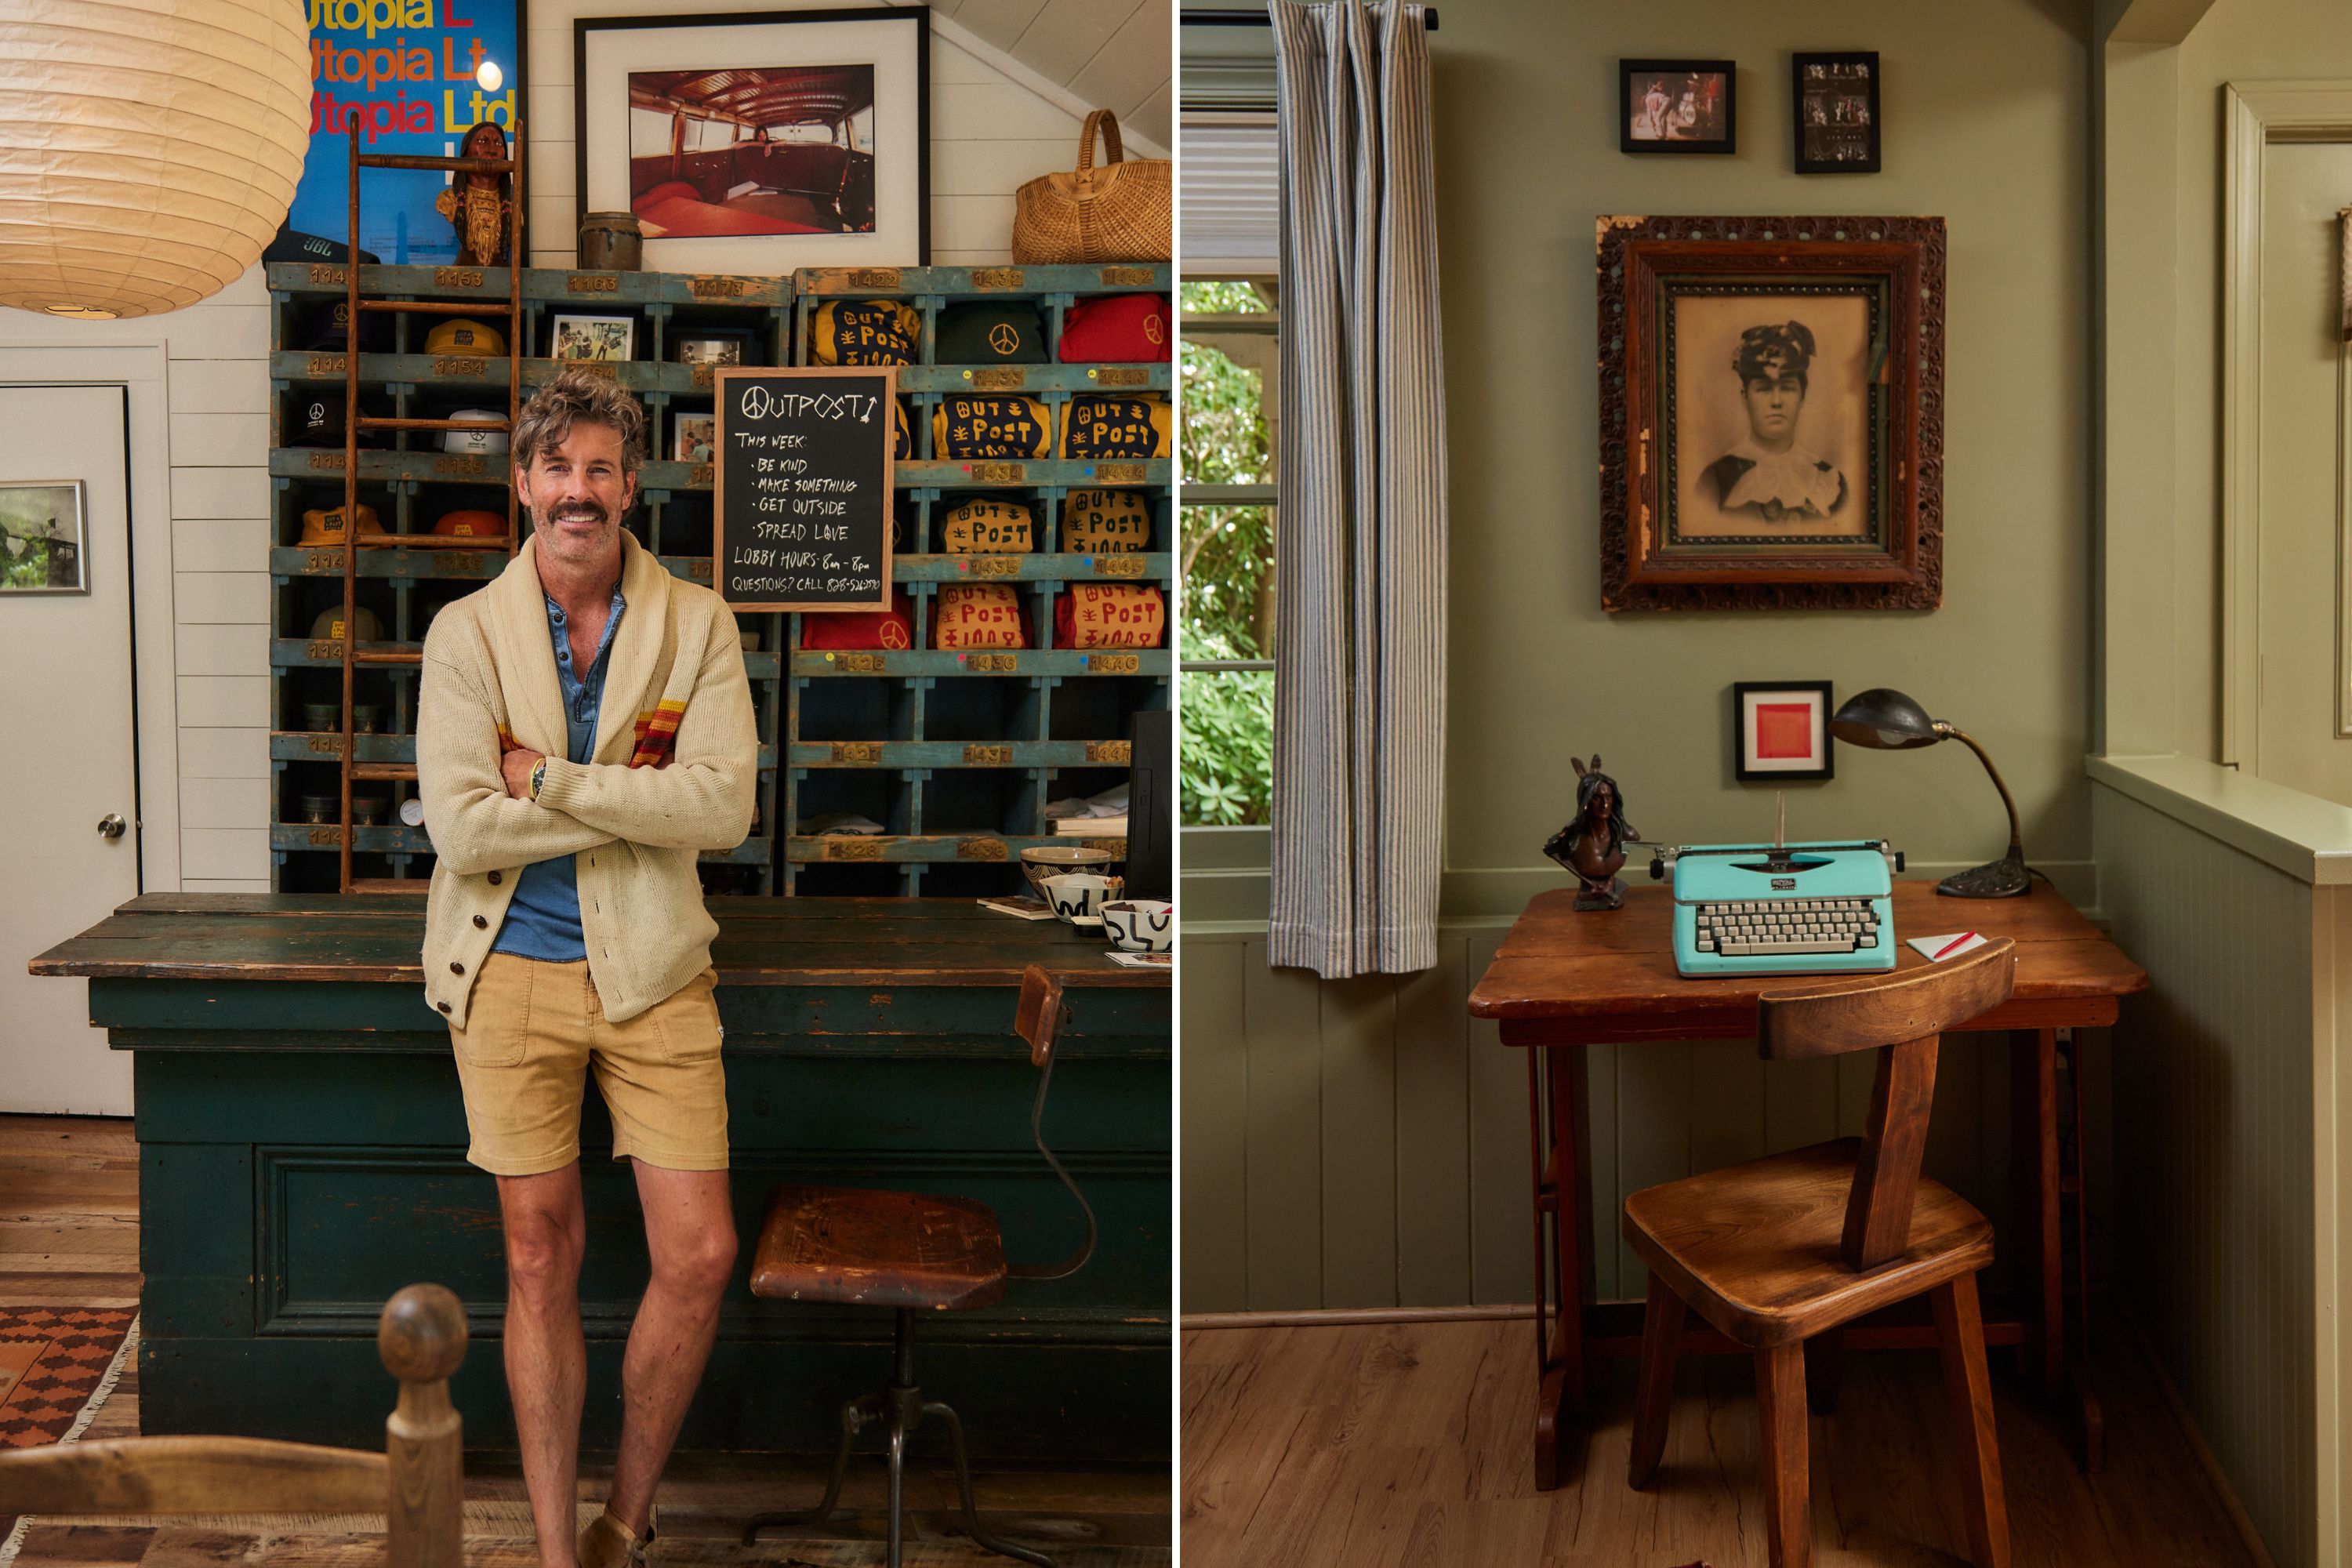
(1955, 942)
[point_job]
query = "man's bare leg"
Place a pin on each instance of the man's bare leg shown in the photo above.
(691, 1234)
(546, 1357)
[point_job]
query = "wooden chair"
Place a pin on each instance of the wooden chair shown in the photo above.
(909, 1252)
(1777, 1250)
(418, 1483)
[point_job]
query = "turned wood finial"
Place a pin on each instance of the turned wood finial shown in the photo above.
(422, 1334)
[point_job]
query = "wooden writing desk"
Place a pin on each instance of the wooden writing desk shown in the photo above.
(1564, 980)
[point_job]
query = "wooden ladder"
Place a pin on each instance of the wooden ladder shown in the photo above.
(353, 655)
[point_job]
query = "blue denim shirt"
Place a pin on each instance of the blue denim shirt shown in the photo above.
(543, 919)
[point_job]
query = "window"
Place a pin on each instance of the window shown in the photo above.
(1226, 520)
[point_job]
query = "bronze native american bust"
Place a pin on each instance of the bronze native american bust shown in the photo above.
(1593, 846)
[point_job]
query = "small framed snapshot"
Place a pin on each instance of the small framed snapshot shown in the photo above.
(1781, 731)
(594, 338)
(711, 345)
(1836, 96)
(42, 527)
(1677, 106)
(693, 437)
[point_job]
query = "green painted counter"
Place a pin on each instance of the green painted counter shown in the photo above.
(303, 1156)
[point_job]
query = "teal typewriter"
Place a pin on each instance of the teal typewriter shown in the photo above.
(1782, 908)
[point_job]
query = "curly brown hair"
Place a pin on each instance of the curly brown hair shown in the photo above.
(580, 395)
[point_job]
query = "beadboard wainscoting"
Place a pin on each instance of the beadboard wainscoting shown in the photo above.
(1364, 1144)
(2230, 1109)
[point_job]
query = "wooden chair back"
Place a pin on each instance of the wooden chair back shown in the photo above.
(417, 1482)
(1038, 1018)
(1902, 1018)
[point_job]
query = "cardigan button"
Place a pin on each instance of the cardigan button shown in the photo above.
(456, 969)
(494, 878)
(443, 1006)
(481, 924)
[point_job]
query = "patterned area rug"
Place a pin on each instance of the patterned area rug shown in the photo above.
(57, 1367)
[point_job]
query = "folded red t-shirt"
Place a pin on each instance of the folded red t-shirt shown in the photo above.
(1122, 328)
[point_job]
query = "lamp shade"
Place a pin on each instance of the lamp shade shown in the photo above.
(149, 149)
(1884, 721)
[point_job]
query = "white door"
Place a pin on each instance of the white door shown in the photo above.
(71, 763)
(2304, 590)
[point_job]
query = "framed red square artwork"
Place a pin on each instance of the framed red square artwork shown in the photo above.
(1781, 731)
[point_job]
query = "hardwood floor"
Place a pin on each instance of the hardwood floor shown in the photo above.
(69, 1236)
(1407, 1446)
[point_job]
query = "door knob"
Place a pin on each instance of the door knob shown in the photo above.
(111, 824)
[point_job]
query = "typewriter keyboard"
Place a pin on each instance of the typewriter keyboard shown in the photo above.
(1739, 929)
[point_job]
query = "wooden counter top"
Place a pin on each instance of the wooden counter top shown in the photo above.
(761, 942)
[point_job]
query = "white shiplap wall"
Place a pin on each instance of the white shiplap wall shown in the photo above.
(994, 123)
(215, 374)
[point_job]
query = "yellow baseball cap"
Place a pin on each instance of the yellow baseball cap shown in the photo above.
(324, 525)
(462, 335)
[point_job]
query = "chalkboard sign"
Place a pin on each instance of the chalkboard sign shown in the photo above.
(801, 483)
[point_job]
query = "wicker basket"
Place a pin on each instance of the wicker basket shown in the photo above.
(1119, 212)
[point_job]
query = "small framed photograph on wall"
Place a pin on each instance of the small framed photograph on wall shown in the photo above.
(1677, 106)
(1781, 731)
(41, 529)
(1836, 97)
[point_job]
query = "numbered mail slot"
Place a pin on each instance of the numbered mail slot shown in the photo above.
(1128, 278)
(996, 278)
(1119, 753)
(862, 664)
(1113, 664)
(1118, 565)
(456, 277)
(988, 756)
(326, 365)
(998, 473)
(999, 380)
(996, 566)
(1120, 376)
(993, 663)
(1121, 474)
(865, 753)
(846, 848)
(981, 849)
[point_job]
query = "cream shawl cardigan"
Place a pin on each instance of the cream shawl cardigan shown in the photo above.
(634, 833)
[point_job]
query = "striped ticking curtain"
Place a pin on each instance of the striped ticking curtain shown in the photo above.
(1359, 683)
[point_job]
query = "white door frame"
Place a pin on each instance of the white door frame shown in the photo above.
(2258, 113)
(140, 370)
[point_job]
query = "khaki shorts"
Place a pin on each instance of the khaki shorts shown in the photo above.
(533, 1029)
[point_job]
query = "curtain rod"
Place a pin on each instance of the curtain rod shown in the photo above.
(1260, 19)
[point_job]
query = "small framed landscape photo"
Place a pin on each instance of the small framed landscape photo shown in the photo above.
(41, 529)
(1837, 98)
(694, 437)
(1677, 106)
(594, 338)
(1781, 731)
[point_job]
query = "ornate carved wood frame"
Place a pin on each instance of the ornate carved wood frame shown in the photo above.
(1898, 264)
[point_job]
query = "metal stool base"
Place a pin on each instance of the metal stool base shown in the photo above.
(903, 1406)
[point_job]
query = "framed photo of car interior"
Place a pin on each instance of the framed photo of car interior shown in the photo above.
(1771, 412)
(760, 143)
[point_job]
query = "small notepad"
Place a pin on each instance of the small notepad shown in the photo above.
(1948, 946)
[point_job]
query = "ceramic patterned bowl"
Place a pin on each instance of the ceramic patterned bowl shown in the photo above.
(1140, 925)
(1058, 861)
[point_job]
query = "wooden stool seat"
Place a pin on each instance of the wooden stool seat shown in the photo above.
(1757, 1249)
(871, 1248)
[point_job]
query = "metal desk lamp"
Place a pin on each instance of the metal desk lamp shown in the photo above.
(1886, 720)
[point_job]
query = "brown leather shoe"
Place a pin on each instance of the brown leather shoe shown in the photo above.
(607, 1543)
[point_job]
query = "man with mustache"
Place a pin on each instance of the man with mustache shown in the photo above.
(584, 729)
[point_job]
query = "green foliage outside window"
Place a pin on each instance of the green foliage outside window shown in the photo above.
(1227, 563)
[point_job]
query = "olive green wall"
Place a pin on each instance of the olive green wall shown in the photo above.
(1987, 126)
(1345, 1145)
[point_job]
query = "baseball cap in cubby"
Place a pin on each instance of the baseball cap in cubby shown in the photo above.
(324, 525)
(464, 335)
(471, 523)
(330, 624)
(992, 331)
(318, 421)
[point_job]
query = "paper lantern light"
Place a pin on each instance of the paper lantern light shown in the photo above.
(149, 149)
